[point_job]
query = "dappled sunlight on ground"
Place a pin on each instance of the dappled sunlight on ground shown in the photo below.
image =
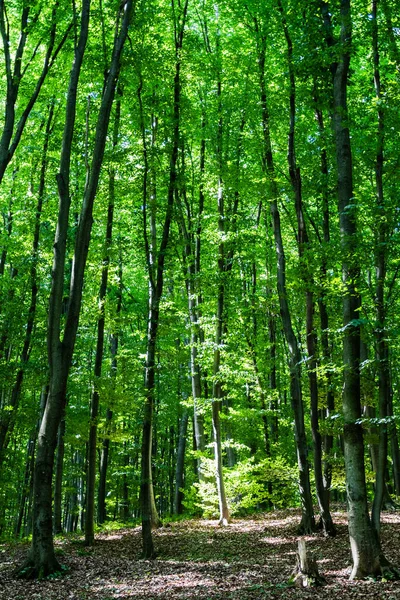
(249, 559)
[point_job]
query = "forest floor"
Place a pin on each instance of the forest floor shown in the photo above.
(250, 559)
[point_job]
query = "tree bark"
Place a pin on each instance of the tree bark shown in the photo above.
(105, 450)
(57, 527)
(368, 559)
(41, 560)
(7, 420)
(12, 131)
(307, 524)
(327, 440)
(94, 408)
(156, 281)
(180, 463)
(382, 350)
(304, 246)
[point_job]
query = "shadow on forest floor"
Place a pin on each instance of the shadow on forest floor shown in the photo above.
(250, 559)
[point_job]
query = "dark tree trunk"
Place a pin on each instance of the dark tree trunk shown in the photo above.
(304, 246)
(307, 522)
(7, 420)
(105, 450)
(42, 561)
(94, 407)
(394, 447)
(27, 487)
(57, 526)
(382, 350)
(104, 457)
(156, 281)
(180, 464)
(12, 131)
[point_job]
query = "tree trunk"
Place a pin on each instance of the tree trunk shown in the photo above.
(8, 418)
(156, 281)
(327, 440)
(57, 527)
(217, 394)
(42, 561)
(105, 449)
(12, 131)
(94, 408)
(307, 524)
(180, 463)
(368, 559)
(382, 350)
(394, 447)
(304, 246)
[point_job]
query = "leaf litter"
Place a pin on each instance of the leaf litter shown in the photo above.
(250, 559)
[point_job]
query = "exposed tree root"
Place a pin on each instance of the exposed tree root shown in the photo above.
(30, 570)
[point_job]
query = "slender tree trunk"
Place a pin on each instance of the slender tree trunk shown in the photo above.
(42, 561)
(307, 522)
(27, 487)
(13, 129)
(94, 408)
(104, 458)
(327, 439)
(382, 350)
(7, 420)
(180, 463)
(194, 300)
(224, 515)
(394, 447)
(304, 245)
(156, 282)
(217, 395)
(57, 526)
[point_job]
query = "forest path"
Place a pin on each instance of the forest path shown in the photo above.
(250, 559)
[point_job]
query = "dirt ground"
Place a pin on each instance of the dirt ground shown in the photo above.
(251, 558)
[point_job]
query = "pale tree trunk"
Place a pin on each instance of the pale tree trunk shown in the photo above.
(42, 560)
(224, 515)
(193, 270)
(224, 266)
(368, 559)
(191, 261)
(307, 524)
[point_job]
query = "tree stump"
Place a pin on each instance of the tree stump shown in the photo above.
(306, 574)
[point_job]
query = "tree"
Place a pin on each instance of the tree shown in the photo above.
(42, 560)
(155, 265)
(307, 523)
(13, 128)
(368, 559)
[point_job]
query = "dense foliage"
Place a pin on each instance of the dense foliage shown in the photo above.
(188, 188)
